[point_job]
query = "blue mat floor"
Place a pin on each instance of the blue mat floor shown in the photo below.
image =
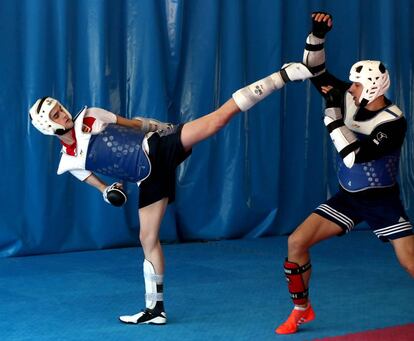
(225, 290)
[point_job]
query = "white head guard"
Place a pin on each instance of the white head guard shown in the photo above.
(374, 78)
(40, 115)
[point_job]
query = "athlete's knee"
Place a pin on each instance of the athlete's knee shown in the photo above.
(297, 244)
(409, 267)
(148, 239)
(405, 254)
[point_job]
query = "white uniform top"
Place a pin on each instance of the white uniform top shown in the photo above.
(389, 114)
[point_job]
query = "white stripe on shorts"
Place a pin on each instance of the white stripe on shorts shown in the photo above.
(393, 229)
(338, 216)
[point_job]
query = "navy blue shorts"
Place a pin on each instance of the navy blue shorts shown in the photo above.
(384, 214)
(165, 153)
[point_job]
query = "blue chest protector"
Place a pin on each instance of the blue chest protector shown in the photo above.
(376, 173)
(117, 152)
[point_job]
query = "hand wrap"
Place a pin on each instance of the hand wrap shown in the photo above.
(334, 98)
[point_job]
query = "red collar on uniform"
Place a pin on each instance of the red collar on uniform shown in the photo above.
(70, 149)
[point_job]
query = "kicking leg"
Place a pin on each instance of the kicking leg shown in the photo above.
(243, 99)
(205, 126)
(150, 221)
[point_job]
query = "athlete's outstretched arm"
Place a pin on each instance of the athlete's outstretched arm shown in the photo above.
(125, 122)
(143, 123)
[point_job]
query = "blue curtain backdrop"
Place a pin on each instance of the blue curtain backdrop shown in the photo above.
(176, 60)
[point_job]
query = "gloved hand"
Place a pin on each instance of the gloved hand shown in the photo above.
(334, 98)
(151, 124)
(320, 24)
(115, 195)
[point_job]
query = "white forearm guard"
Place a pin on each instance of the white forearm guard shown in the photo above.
(314, 54)
(343, 139)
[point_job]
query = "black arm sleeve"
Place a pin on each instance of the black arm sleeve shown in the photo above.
(384, 139)
(327, 79)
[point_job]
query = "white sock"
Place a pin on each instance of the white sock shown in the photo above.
(298, 307)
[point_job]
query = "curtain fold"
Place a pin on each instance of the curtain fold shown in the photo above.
(177, 60)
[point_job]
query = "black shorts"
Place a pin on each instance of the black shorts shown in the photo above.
(165, 153)
(384, 214)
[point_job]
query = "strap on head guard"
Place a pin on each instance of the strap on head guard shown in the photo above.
(40, 116)
(374, 78)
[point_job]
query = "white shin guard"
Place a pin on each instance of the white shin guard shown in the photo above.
(248, 96)
(153, 285)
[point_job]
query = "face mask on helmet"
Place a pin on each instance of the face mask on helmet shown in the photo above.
(374, 78)
(40, 116)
